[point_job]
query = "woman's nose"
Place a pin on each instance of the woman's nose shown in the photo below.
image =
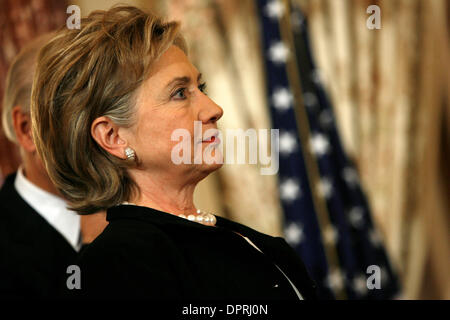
(211, 112)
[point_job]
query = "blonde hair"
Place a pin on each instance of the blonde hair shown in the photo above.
(19, 81)
(85, 74)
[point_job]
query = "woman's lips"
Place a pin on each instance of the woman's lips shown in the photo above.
(213, 139)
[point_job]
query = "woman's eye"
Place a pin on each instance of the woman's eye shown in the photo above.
(179, 94)
(202, 87)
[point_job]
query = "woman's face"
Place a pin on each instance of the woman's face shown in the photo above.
(172, 98)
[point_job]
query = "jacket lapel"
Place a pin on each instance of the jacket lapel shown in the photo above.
(279, 251)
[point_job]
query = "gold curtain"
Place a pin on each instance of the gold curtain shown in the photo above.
(390, 90)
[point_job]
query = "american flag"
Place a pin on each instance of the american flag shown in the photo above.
(327, 217)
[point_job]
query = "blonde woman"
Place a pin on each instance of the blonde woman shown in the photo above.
(106, 100)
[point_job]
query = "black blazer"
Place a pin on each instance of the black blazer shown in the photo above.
(33, 255)
(147, 253)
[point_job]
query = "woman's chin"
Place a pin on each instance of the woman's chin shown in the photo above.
(210, 167)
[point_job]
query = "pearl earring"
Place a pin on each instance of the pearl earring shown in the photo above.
(131, 155)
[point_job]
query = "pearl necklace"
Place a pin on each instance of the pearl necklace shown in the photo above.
(201, 217)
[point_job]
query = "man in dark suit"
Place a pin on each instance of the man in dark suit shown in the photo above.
(39, 236)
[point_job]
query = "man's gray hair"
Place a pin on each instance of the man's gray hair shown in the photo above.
(19, 81)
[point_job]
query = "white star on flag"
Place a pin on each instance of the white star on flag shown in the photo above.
(355, 216)
(326, 119)
(309, 99)
(359, 285)
(294, 233)
(282, 99)
(335, 280)
(289, 190)
(288, 143)
(278, 52)
(375, 238)
(350, 176)
(297, 20)
(325, 188)
(330, 235)
(319, 144)
(274, 9)
(316, 76)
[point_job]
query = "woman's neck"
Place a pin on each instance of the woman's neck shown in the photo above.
(164, 194)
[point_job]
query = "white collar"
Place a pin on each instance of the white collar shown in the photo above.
(51, 207)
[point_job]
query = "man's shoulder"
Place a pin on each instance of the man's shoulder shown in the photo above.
(12, 206)
(7, 189)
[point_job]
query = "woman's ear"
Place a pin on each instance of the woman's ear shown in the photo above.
(22, 128)
(106, 133)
